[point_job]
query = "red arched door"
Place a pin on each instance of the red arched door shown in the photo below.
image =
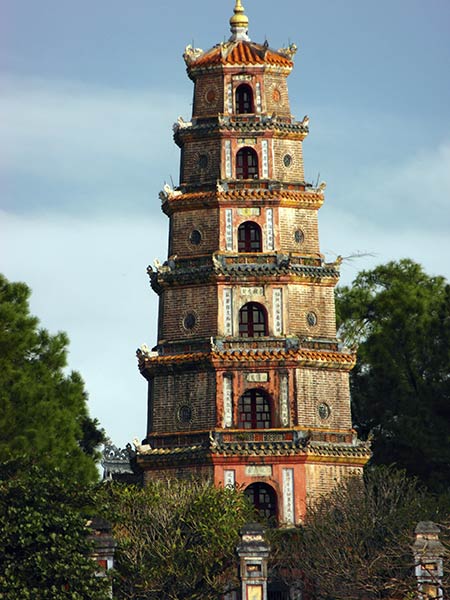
(264, 499)
(249, 237)
(252, 320)
(246, 164)
(244, 99)
(254, 410)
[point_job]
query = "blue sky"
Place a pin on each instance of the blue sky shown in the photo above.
(88, 95)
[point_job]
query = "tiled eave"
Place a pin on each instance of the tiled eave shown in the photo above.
(247, 359)
(242, 126)
(358, 453)
(311, 200)
(237, 55)
(322, 275)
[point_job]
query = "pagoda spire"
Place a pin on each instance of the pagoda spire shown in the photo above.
(239, 23)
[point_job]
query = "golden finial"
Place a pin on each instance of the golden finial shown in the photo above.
(239, 23)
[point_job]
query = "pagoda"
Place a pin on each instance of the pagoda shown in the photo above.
(248, 384)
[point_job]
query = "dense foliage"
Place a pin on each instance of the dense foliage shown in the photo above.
(43, 410)
(44, 546)
(176, 539)
(400, 319)
(356, 541)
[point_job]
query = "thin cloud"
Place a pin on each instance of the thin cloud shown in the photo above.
(83, 140)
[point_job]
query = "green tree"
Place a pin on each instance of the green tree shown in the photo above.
(400, 319)
(43, 410)
(176, 539)
(44, 545)
(356, 541)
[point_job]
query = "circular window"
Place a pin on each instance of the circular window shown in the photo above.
(311, 317)
(203, 161)
(189, 321)
(211, 96)
(195, 237)
(287, 160)
(276, 95)
(324, 410)
(299, 236)
(185, 414)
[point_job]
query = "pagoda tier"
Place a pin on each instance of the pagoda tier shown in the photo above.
(248, 383)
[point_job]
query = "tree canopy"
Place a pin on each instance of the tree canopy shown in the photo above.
(400, 319)
(356, 541)
(43, 410)
(44, 543)
(176, 539)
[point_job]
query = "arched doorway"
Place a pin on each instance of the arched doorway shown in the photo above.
(264, 499)
(249, 237)
(246, 164)
(255, 411)
(244, 99)
(252, 320)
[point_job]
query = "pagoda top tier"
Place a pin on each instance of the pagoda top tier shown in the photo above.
(239, 50)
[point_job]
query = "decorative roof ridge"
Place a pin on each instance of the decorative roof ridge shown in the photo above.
(321, 356)
(222, 194)
(237, 52)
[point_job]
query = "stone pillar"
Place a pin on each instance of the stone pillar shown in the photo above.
(253, 552)
(428, 559)
(104, 546)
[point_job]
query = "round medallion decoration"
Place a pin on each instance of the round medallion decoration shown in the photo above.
(203, 161)
(311, 317)
(324, 410)
(211, 96)
(276, 95)
(287, 160)
(189, 321)
(299, 236)
(195, 237)
(185, 414)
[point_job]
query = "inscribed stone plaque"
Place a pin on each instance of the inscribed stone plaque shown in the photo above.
(228, 311)
(227, 402)
(249, 212)
(258, 470)
(252, 291)
(229, 228)
(258, 97)
(230, 100)
(288, 496)
(254, 592)
(228, 159)
(277, 311)
(269, 228)
(265, 159)
(229, 478)
(284, 400)
(257, 377)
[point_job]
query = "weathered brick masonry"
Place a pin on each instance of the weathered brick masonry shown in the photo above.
(247, 383)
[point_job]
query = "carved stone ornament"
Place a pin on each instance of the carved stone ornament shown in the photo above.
(289, 52)
(192, 54)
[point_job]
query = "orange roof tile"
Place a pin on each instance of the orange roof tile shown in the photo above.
(323, 356)
(241, 53)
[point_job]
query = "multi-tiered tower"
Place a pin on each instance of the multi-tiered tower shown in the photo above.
(247, 383)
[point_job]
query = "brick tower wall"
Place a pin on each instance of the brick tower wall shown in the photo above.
(322, 478)
(195, 389)
(316, 299)
(294, 172)
(206, 221)
(208, 95)
(178, 302)
(192, 170)
(317, 386)
(294, 219)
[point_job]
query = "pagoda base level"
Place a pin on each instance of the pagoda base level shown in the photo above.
(290, 480)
